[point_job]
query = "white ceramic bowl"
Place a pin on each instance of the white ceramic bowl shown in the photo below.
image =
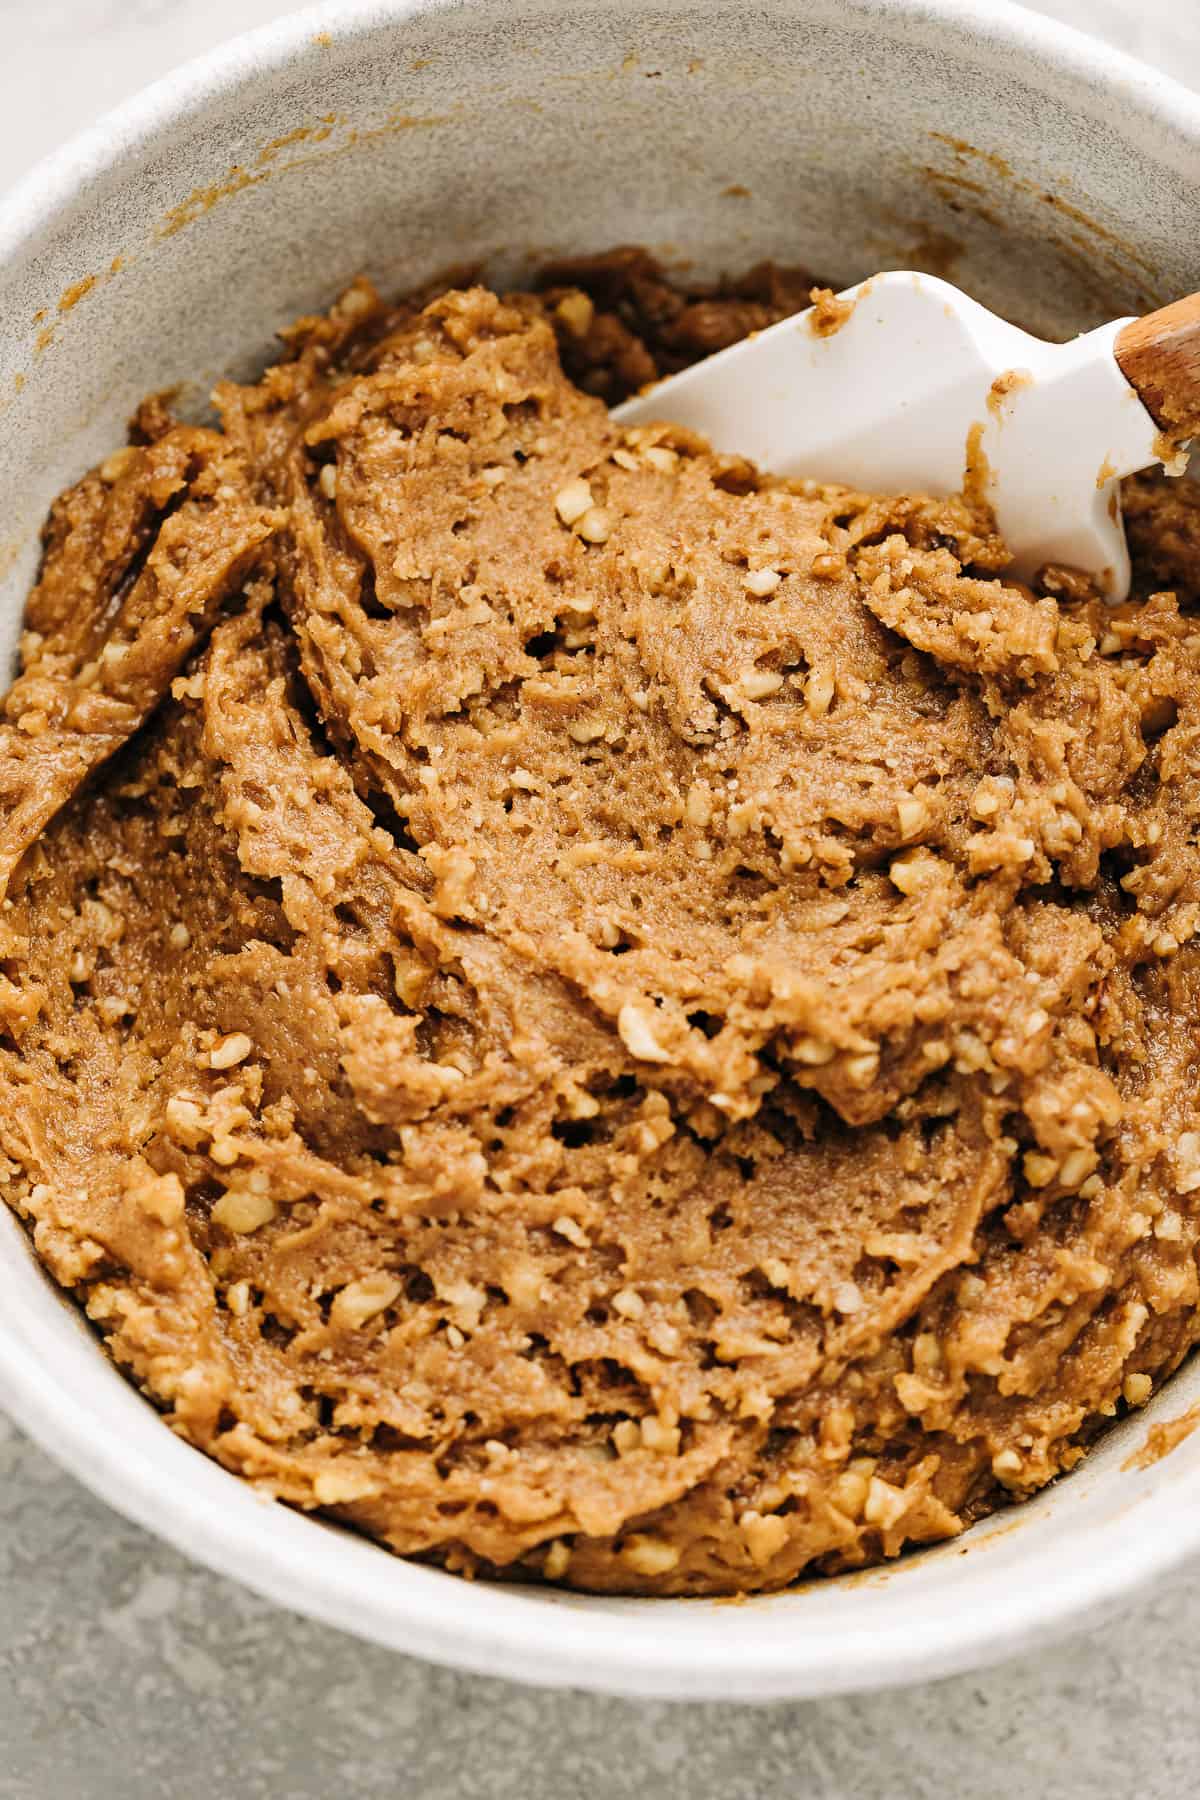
(406, 137)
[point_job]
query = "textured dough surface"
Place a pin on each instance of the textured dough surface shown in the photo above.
(596, 1014)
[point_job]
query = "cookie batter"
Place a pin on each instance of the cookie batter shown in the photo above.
(596, 1014)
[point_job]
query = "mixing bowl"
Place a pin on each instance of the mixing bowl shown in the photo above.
(1054, 178)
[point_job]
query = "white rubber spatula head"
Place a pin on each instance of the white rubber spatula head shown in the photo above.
(907, 386)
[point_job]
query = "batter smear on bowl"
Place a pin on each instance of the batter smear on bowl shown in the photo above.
(598, 1014)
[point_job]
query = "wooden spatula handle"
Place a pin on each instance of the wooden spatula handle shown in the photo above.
(1160, 356)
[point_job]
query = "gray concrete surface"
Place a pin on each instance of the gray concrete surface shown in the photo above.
(126, 1671)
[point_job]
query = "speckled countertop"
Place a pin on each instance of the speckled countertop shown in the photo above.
(125, 1670)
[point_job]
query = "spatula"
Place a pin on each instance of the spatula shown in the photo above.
(903, 384)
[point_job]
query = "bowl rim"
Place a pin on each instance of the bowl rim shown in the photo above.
(493, 1629)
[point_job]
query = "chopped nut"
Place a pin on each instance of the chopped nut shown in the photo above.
(341, 1482)
(818, 692)
(885, 1504)
(1040, 1170)
(1006, 1464)
(659, 1436)
(237, 1298)
(914, 870)
(1187, 1162)
(557, 1561)
(362, 1300)
(179, 936)
(116, 465)
(465, 1297)
(697, 808)
(572, 501)
(637, 1035)
(242, 1211)
(1076, 1166)
(585, 731)
(1136, 1389)
(757, 683)
(663, 1337)
(850, 1492)
(762, 582)
(911, 814)
(231, 1050)
(970, 1053)
(327, 480)
(813, 1051)
(827, 565)
(355, 303)
(629, 1303)
(626, 1437)
(185, 1119)
(572, 1230)
(162, 1197)
(595, 527)
(576, 310)
(647, 1555)
(985, 803)
(765, 1535)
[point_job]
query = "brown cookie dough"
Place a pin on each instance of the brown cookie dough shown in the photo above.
(598, 1014)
